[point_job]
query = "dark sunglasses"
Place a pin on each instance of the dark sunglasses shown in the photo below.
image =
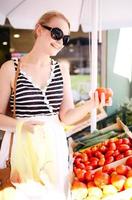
(57, 34)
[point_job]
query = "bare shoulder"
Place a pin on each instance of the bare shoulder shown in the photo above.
(7, 69)
(8, 66)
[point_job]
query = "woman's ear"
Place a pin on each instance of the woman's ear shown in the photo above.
(38, 30)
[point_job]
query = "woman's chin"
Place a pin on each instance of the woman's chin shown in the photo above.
(54, 53)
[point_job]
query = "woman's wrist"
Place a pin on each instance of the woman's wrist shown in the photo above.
(90, 105)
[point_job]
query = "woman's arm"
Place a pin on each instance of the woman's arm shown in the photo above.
(69, 114)
(7, 74)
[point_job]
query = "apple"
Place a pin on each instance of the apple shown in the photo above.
(129, 173)
(121, 169)
(109, 190)
(95, 191)
(101, 178)
(90, 184)
(128, 183)
(79, 190)
(92, 198)
(118, 181)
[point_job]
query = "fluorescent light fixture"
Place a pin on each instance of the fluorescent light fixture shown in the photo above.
(123, 59)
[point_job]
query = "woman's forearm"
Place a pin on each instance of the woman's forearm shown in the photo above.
(7, 122)
(77, 113)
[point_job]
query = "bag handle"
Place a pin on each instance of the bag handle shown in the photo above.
(14, 111)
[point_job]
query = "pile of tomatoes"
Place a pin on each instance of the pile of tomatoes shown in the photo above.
(100, 155)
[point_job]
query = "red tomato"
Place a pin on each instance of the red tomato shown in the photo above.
(119, 141)
(128, 153)
(77, 155)
(88, 167)
(112, 170)
(98, 154)
(74, 170)
(103, 148)
(106, 168)
(94, 149)
(77, 160)
(101, 162)
(120, 156)
(107, 92)
(123, 147)
(88, 176)
(111, 140)
(84, 157)
(91, 184)
(129, 161)
(100, 90)
(94, 164)
(88, 152)
(94, 159)
(112, 146)
(105, 143)
(81, 165)
(109, 153)
(116, 153)
(80, 173)
(126, 141)
(109, 159)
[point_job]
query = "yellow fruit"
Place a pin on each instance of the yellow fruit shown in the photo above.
(109, 189)
(95, 191)
(79, 194)
(128, 183)
(93, 198)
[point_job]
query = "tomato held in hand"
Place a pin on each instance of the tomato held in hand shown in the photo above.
(107, 92)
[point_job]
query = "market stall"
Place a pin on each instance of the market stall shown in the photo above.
(102, 164)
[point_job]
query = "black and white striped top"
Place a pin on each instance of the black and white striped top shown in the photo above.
(33, 101)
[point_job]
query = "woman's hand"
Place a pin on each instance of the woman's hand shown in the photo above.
(97, 100)
(30, 125)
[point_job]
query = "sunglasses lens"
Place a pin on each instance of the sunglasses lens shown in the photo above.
(66, 40)
(56, 34)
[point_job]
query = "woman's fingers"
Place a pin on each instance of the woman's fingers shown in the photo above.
(96, 98)
(102, 99)
(109, 102)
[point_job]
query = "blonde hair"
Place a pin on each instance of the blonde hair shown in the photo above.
(46, 17)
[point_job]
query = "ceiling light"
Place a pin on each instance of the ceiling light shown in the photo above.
(16, 35)
(5, 43)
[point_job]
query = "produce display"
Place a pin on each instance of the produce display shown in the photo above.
(102, 166)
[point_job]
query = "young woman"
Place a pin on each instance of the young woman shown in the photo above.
(43, 95)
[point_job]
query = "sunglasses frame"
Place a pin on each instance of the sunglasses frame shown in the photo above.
(65, 38)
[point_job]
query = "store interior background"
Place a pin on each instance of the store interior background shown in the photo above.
(77, 56)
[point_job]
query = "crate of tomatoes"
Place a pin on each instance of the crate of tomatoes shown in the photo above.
(104, 170)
